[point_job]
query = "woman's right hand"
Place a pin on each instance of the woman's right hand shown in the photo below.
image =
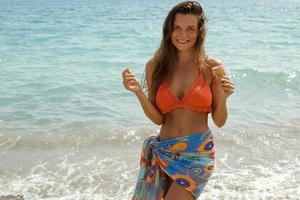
(218, 71)
(130, 81)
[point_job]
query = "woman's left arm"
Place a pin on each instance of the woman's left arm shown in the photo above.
(222, 88)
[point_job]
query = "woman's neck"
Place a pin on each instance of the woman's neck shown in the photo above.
(186, 56)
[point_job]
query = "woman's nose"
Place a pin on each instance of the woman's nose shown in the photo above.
(183, 33)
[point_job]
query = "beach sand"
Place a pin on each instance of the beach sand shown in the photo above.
(12, 197)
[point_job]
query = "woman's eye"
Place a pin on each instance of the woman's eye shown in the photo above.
(191, 29)
(176, 28)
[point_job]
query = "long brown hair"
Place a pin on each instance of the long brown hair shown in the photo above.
(166, 55)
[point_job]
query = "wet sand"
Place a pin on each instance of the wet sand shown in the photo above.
(12, 197)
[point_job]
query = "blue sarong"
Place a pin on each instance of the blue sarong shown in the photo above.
(188, 160)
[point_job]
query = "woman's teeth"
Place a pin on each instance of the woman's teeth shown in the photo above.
(182, 41)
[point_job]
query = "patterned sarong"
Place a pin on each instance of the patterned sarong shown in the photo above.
(187, 160)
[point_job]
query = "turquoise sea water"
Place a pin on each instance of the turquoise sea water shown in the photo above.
(69, 130)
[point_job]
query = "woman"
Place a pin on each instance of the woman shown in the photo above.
(184, 86)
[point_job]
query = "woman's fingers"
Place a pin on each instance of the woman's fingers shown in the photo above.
(218, 71)
(228, 90)
(227, 82)
(130, 82)
(130, 76)
(127, 72)
(124, 72)
(130, 79)
(227, 85)
(225, 77)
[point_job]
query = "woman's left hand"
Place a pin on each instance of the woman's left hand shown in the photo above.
(227, 86)
(222, 84)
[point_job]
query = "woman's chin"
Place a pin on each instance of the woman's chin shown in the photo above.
(182, 48)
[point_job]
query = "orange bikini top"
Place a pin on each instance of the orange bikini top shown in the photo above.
(198, 97)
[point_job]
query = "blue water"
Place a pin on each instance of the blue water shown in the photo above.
(62, 101)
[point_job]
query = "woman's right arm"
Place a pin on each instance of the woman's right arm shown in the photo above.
(131, 83)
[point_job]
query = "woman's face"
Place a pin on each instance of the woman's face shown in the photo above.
(185, 31)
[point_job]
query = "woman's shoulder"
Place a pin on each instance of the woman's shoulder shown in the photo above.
(150, 66)
(212, 61)
(151, 63)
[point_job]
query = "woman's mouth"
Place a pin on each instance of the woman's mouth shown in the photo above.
(182, 41)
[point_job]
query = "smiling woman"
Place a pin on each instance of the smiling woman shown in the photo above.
(184, 31)
(184, 86)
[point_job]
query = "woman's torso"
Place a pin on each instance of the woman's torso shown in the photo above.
(183, 121)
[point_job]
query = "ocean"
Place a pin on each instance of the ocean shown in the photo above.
(70, 131)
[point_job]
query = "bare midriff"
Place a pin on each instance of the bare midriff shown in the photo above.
(183, 122)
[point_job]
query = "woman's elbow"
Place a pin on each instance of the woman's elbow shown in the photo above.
(157, 123)
(158, 120)
(220, 123)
